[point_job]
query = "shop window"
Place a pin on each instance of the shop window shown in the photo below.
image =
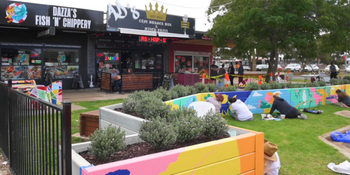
(62, 63)
(148, 61)
(108, 60)
(20, 63)
(193, 64)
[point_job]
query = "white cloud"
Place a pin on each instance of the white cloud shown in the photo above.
(251, 107)
(333, 88)
(256, 94)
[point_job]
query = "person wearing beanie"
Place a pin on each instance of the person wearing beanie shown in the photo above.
(285, 108)
(239, 110)
(216, 102)
(272, 162)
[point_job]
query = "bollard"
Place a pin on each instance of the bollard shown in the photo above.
(203, 78)
(260, 79)
(271, 77)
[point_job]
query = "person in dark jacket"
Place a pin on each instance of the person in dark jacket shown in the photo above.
(231, 71)
(222, 72)
(285, 108)
(240, 72)
(343, 99)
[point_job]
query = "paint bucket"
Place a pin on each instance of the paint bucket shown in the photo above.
(283, 116)
(263, 116)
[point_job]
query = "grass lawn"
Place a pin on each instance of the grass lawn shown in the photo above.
(299, 148)
(91, 106)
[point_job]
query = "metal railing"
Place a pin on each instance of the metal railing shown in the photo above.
(35, 135)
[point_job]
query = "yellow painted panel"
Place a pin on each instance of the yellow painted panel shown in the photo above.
(228, 167)
(267, 110)
(205, 154)
(347, 90)
(324, 94)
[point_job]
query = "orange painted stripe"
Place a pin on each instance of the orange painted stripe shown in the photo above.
(248, 162)
(246, 144)
(259, 153)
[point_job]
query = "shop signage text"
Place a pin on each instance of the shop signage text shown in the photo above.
(152, 39)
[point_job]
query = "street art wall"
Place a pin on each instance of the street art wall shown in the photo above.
(261, 101)
(51, 93)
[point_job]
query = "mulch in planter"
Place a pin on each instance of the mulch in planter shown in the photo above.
(130, 113)
(141, 149)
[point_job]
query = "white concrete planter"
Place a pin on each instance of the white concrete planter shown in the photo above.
(78, 161)
(130, 124)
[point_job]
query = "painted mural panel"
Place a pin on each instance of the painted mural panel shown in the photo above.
(307, 97)
(261, 101)
(333, 97)
(225, 106)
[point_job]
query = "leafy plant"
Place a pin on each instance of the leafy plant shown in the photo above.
(322, 83)
(158, 133)
(334, 82)
(176, 113)
(174, 94)
(275, 85)
(265, 86)
(151, 107)
(252, 86)
(227, 89)
(289, 85)
(211, 87)
(164, 93)
(189, 127)
(346, 81)
(314, 84)
(106, 142)
(181, 90)
(214, 125)
(191, 90)
(283, 85)
(346, 78)
(201, 88)
(129, 104)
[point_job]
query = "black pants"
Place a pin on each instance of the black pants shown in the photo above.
(231, 80)
(334, 75)
(293, 114)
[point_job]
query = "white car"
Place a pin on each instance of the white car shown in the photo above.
(347, 69)
(327, 68)
(293, 67)
(261, 67)
(315, 68)
(308, 68)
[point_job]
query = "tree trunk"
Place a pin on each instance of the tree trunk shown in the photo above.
(271, 65)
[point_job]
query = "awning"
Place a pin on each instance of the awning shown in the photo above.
(172, 35)
(137, 32)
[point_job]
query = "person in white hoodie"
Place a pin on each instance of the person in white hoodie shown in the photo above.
(239, 110)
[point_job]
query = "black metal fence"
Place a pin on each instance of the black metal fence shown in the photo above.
(35, 135)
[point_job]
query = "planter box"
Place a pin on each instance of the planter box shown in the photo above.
(241, 154)
(128, 123)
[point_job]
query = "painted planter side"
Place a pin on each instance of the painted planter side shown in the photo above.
(242, 154)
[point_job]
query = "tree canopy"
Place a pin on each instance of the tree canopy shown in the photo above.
(307, 27)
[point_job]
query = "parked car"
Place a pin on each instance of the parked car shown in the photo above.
(293, 67)
(262, 67)
(246, 68)
(308, 68)
(315, 68)
(327, 68)
(347, 69)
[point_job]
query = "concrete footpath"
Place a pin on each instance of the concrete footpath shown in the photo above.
(93, 94)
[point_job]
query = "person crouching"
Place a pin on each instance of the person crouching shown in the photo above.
(239, 110)
(216, 102)
(285, 108)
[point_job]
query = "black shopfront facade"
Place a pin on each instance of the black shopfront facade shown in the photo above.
(36, 37)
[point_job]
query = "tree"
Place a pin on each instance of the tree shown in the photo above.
(276, 25)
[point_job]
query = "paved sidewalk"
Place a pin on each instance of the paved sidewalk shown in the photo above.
(93, 94)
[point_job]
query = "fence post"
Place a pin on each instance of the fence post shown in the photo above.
(66, 123)
(9, 119)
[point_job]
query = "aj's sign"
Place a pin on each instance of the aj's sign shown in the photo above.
(153, 18)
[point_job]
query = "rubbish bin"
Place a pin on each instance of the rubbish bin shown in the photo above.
(167, 81)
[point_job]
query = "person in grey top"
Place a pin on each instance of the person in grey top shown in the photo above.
(216, 102)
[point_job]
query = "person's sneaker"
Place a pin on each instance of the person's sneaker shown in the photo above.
(303, 116)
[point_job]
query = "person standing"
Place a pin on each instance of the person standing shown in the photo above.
(222, 73)
(116, 79)
(213, 71)
(240, 72)
(231, 71)
(333, 71)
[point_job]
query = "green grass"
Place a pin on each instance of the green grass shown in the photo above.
(91, 106)
(299, 148)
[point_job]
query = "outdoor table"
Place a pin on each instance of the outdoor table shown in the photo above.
(202, 108)
(310, 76)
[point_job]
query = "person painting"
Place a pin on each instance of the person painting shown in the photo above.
(231, 71)
(333, 71)
(222, 73)
(343, 99)
(216, 102)
(239, 110)
(240, 72)
(272, 163)
(285, 108)
(116, 79)
(213, 71)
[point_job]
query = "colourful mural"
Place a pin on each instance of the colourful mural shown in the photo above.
(51, 93)
(235, 155)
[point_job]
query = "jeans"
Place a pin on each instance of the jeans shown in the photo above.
(231, 80)
(221, 83)
(116, 85)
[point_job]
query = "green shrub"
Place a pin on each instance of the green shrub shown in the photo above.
(346, 81)
(314, 84)
(214, 125)
(322, 83)
(189, 127)
(164, 93)
(176, 113)
(289, 85)
(283, 85)
(181, 90)
(334, 82)
(347, 78)
(212, 87)
(227, 89)
(106, 142)
(252, 86)
(174, 94)
(133, 99)
(265, 86)
(158, 133)
(201, 88)
(191, 90)
(151, 107)
(275, 85)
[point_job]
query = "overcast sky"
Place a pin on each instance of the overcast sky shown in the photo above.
(193, 8)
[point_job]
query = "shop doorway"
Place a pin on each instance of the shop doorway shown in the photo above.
(126, 59)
